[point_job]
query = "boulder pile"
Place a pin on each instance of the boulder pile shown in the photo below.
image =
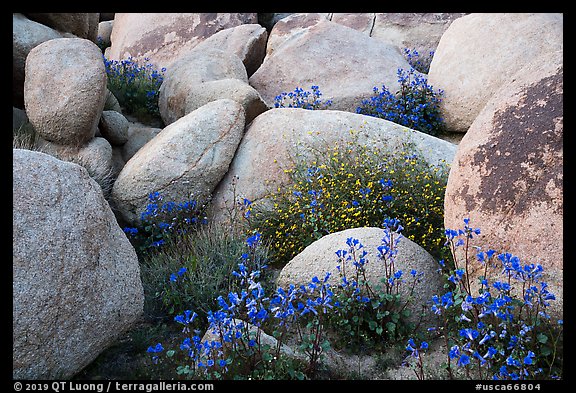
(76, 281)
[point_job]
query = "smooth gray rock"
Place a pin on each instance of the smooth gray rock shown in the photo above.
(64, 101)
(76, 279)
(114, 127)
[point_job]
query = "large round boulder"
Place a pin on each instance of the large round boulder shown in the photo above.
(479, 52)
(320, 258)
(76, 280)
(507, 175)
(64, 90)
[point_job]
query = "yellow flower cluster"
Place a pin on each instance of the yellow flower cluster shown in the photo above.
(351, 185)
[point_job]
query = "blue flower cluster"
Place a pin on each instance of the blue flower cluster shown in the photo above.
(174, 276)
(236, 327)
(416, 105)
(299, 98)
(245, 207)
(500, 324)
(136, 87)
(376, 309)
(161, 219)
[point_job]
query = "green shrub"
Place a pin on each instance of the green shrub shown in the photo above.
(192, 268)
(163, 219)
(370, 316)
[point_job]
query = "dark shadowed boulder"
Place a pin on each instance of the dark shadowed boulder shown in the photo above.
(79, 24)
(26, 34)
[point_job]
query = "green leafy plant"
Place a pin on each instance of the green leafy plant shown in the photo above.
(190, 268)
(163, 219)
(235, 345)
(372, 315)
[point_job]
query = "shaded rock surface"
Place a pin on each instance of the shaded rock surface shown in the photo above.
(26, 34)
(114, 127)
(235, 89)
(248, 42)
(79, 24)
(138, 136)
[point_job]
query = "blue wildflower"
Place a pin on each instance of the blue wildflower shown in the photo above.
(529, 357)
(463, 360)
(253, 240)
(470, 334)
